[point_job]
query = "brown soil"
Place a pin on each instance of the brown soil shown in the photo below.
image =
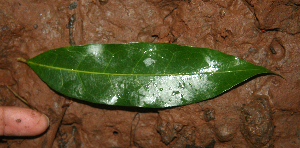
(262, 112)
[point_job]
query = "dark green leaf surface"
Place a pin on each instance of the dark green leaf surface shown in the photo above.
(155, 75)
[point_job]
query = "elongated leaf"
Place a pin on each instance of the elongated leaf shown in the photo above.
(152, 75)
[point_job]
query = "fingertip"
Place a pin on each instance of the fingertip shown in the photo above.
(42, 125)
(23, 122)
(48, 121)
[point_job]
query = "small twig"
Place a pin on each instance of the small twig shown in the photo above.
(169, 14)
(55, 126)
(22, 99)
(132, 135)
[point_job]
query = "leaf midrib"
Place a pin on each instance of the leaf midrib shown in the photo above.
(120, 74)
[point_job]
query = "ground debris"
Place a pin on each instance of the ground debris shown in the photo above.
(257, 126)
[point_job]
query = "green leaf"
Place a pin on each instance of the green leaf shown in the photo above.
(154, 75)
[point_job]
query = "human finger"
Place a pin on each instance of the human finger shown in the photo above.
(16, 121)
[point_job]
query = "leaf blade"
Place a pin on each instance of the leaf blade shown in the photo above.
(152, 75)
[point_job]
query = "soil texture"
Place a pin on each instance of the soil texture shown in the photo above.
(261, 112)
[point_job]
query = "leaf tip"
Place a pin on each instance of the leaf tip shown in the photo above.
(276, 74)
(20, 59)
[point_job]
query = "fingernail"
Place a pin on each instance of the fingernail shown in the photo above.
(47, 119)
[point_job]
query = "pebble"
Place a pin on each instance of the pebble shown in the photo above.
(73, 5)
(257, 126)
(166, 131)
(185, 137)
(209, 114)
(225, 132)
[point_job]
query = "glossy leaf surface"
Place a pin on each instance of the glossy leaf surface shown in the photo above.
(155, 75)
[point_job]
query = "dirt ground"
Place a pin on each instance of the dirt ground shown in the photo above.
(262, 112)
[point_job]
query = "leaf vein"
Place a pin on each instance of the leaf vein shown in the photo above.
(169, 62)
(62, 79)
(80, 79)
(137, 63)
(113, 55)
(140, 74)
